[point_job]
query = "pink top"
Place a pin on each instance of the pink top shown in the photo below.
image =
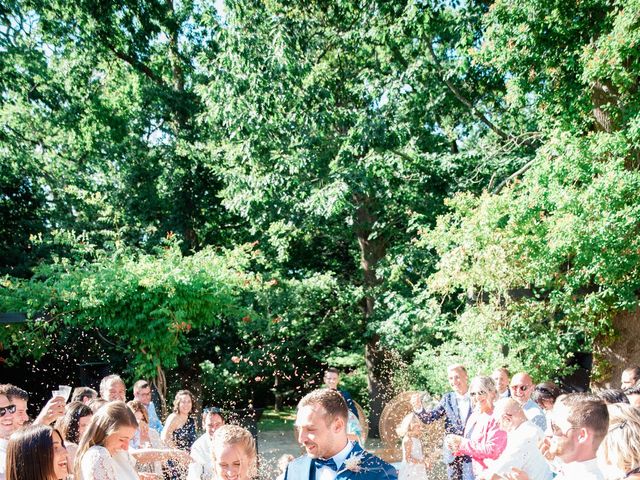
(486, 440)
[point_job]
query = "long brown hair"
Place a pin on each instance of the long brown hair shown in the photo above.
(30, 454)
(69, 424)
(107, 420)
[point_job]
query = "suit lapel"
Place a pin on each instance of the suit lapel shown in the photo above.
(343, 472)
(455, 409)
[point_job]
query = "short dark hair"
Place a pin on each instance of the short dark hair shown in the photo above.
(80, 393)
(545, 391)
(611, 396)
(206, 411)
(331, 400)
(332, 370)
(69, 423)
(587, 411)
(140, 384)
(17, 392)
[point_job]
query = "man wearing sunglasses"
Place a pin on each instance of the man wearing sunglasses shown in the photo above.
(521, 388)
(7, 426)
(579, 423)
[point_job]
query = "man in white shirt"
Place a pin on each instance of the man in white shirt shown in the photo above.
(7, 426)
(522, 444)
(521, 389)
(321, 422)
(579, 423)
(202, 466)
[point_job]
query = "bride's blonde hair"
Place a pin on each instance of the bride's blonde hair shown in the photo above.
(235, 435)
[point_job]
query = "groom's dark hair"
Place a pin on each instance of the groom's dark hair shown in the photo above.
(330, 400)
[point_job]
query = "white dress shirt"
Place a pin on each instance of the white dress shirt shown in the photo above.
(202, 466)
(522, 452)
(464, 405)
(326, 473)
(580, 471)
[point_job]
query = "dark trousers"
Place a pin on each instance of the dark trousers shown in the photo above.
(455, 469)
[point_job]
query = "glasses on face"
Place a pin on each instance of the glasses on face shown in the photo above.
(557, 431)
(522, 388)
(8, 408)
(481, 393)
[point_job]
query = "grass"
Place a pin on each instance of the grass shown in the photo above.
(272, 420)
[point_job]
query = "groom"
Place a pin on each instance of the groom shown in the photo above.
(322, 430)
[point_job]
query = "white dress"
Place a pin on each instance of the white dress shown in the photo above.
(413, 471)
(98, 464)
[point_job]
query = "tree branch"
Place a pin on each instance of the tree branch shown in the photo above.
(513, 176)
(481, 116)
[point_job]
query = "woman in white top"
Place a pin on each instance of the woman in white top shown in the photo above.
(103, 450)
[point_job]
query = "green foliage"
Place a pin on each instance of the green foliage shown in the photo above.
(147, 302)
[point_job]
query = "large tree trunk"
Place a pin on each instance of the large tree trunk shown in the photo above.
(372, 249)
(612, 354)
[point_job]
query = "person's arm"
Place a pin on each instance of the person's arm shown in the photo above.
(150, 455)
(431, 415)
(490, 444)
(53, 410)
(167, 432)
(406, 447)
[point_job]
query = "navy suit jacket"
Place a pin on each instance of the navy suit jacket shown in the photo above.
(370, 467)
(447, 408)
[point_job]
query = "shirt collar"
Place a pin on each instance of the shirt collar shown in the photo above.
(341, 456)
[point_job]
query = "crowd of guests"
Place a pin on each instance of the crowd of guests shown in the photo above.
(497, 427)
(100, 436)
(505, 427)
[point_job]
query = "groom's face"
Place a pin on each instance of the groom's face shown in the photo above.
(321, 439)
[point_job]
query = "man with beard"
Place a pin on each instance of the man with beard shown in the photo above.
(579, 423)
(321, 422)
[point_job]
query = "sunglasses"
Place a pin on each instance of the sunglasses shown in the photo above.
(477, 394)
(8, 408)
(557, 431)
(522, 388)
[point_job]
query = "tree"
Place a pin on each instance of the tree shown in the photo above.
(341, 124)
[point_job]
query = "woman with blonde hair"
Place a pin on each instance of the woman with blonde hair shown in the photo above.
(103, 450)
(234, 453)
(36, 452)
(620, 448)
(483, 438)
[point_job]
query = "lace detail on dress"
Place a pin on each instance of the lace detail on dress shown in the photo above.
(97, 464)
